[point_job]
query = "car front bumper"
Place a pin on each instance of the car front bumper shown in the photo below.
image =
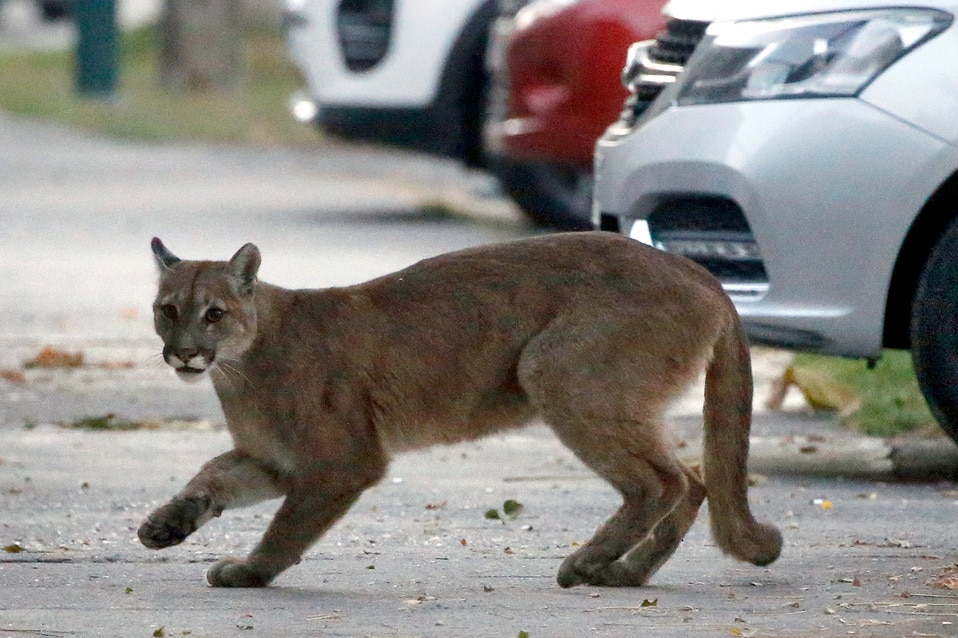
(816, 197)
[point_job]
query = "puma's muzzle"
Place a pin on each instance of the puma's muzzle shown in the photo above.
(189, 366)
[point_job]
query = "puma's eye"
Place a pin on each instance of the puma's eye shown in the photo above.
(214, 314)
(169, 311)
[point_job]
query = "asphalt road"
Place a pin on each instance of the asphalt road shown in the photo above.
(416, 556)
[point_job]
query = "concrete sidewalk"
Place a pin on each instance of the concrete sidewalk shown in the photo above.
(417, 556)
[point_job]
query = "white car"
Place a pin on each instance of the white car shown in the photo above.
(807, 154)
(418, 75)
(408, 73)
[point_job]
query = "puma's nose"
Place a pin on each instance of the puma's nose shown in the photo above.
(185, 354)
(179, 357)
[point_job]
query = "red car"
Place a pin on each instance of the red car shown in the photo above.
(555, 67)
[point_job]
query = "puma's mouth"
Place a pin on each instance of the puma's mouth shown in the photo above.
(189, 373)
(188, 366)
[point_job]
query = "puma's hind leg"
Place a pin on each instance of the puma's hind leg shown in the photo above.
(229, 480)
(652, 484)
(646, 559)
(605, 399)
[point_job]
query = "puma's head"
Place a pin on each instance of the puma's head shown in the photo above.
(204, 310)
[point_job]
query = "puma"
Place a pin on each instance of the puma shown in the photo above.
(592, 332)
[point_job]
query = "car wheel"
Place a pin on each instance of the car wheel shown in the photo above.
(549, 194)
(934, 331)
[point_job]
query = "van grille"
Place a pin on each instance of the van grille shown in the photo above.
(364, 28)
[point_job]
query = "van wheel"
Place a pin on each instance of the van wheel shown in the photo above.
(934, 331)
(549, 194)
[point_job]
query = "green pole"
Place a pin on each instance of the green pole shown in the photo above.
(97, 51)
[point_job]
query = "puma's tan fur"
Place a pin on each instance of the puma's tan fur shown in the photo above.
(592, 332)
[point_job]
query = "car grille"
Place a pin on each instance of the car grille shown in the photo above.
(364, 28)
(661, 63)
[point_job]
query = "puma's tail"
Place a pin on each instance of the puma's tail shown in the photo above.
(728, 419)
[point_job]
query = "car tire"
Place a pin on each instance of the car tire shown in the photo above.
(934, 330)
(549, 194)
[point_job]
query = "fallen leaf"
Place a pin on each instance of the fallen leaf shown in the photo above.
(159, 633)
(15, 548)
(822, 392)
(116, 365)
(462, 541)
(435, 506)
(947, 579)
(523, 634)
(492, 514)
(13, 376)
(54, 358)
(512, 508)
(650, 603)
(896, 542)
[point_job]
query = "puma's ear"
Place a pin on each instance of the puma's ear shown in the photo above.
(164, 258)
(243, 266)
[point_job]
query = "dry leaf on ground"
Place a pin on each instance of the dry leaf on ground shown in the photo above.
(13, 376)
(55, 358)
(947, 579)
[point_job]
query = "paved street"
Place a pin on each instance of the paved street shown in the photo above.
(416, 556)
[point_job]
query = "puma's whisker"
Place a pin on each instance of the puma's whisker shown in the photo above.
(230, 367)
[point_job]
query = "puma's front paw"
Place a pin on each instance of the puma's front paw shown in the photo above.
(231, 572)
(173, 522)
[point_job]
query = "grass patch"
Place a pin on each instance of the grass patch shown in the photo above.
(40, 85)
(891, 402)
(108, 422)
(114, 423)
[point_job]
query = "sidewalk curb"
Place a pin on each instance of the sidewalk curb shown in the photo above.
(860, 458)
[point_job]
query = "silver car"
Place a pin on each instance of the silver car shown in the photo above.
(806, 152)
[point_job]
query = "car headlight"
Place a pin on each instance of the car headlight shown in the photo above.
(818, 55)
